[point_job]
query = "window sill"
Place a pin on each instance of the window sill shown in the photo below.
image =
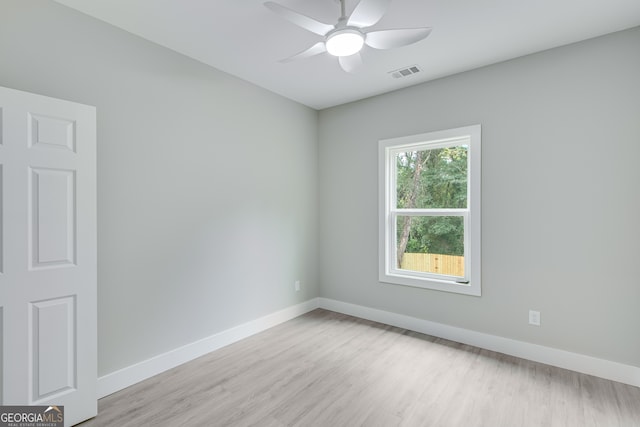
(432, 283)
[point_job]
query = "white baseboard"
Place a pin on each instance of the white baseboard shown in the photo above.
(133, 374)
(551, 356)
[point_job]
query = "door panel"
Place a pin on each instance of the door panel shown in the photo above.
(51, 132)
(48, 254)
(52, 349)
(1, 222)
(52, 212)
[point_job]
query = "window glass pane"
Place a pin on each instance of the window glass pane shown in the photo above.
(435, 178)
(431, 244)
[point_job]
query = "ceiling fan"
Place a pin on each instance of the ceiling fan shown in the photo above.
(348, 36)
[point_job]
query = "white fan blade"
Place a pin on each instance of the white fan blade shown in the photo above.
(299, 19)
(316, 49)
(388, 39)
(368, 13)
(351, 63)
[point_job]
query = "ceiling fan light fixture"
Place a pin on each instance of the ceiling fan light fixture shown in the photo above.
(345, 42)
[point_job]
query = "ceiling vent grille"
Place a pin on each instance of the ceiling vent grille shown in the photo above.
(405, 72)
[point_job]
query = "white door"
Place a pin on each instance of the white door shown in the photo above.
(48, 253)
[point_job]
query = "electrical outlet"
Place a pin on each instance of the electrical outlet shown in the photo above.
(534, 317)
(297, 285)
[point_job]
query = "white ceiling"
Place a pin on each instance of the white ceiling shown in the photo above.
(244, 38)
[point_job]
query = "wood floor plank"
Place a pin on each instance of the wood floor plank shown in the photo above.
(328, 369)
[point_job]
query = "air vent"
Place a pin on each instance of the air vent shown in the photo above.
(405, 72)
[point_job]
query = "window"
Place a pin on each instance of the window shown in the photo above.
(430, 210)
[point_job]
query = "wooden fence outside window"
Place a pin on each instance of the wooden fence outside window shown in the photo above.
(434, 263)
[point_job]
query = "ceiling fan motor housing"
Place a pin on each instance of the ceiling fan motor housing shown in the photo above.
(345, 41)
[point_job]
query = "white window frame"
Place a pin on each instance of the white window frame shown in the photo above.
(388, 212)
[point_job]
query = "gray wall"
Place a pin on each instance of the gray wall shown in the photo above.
(207, 185)
(560, 187)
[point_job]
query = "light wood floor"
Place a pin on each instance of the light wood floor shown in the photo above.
(331, 370)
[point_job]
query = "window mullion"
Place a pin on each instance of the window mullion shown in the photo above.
(431, 212)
